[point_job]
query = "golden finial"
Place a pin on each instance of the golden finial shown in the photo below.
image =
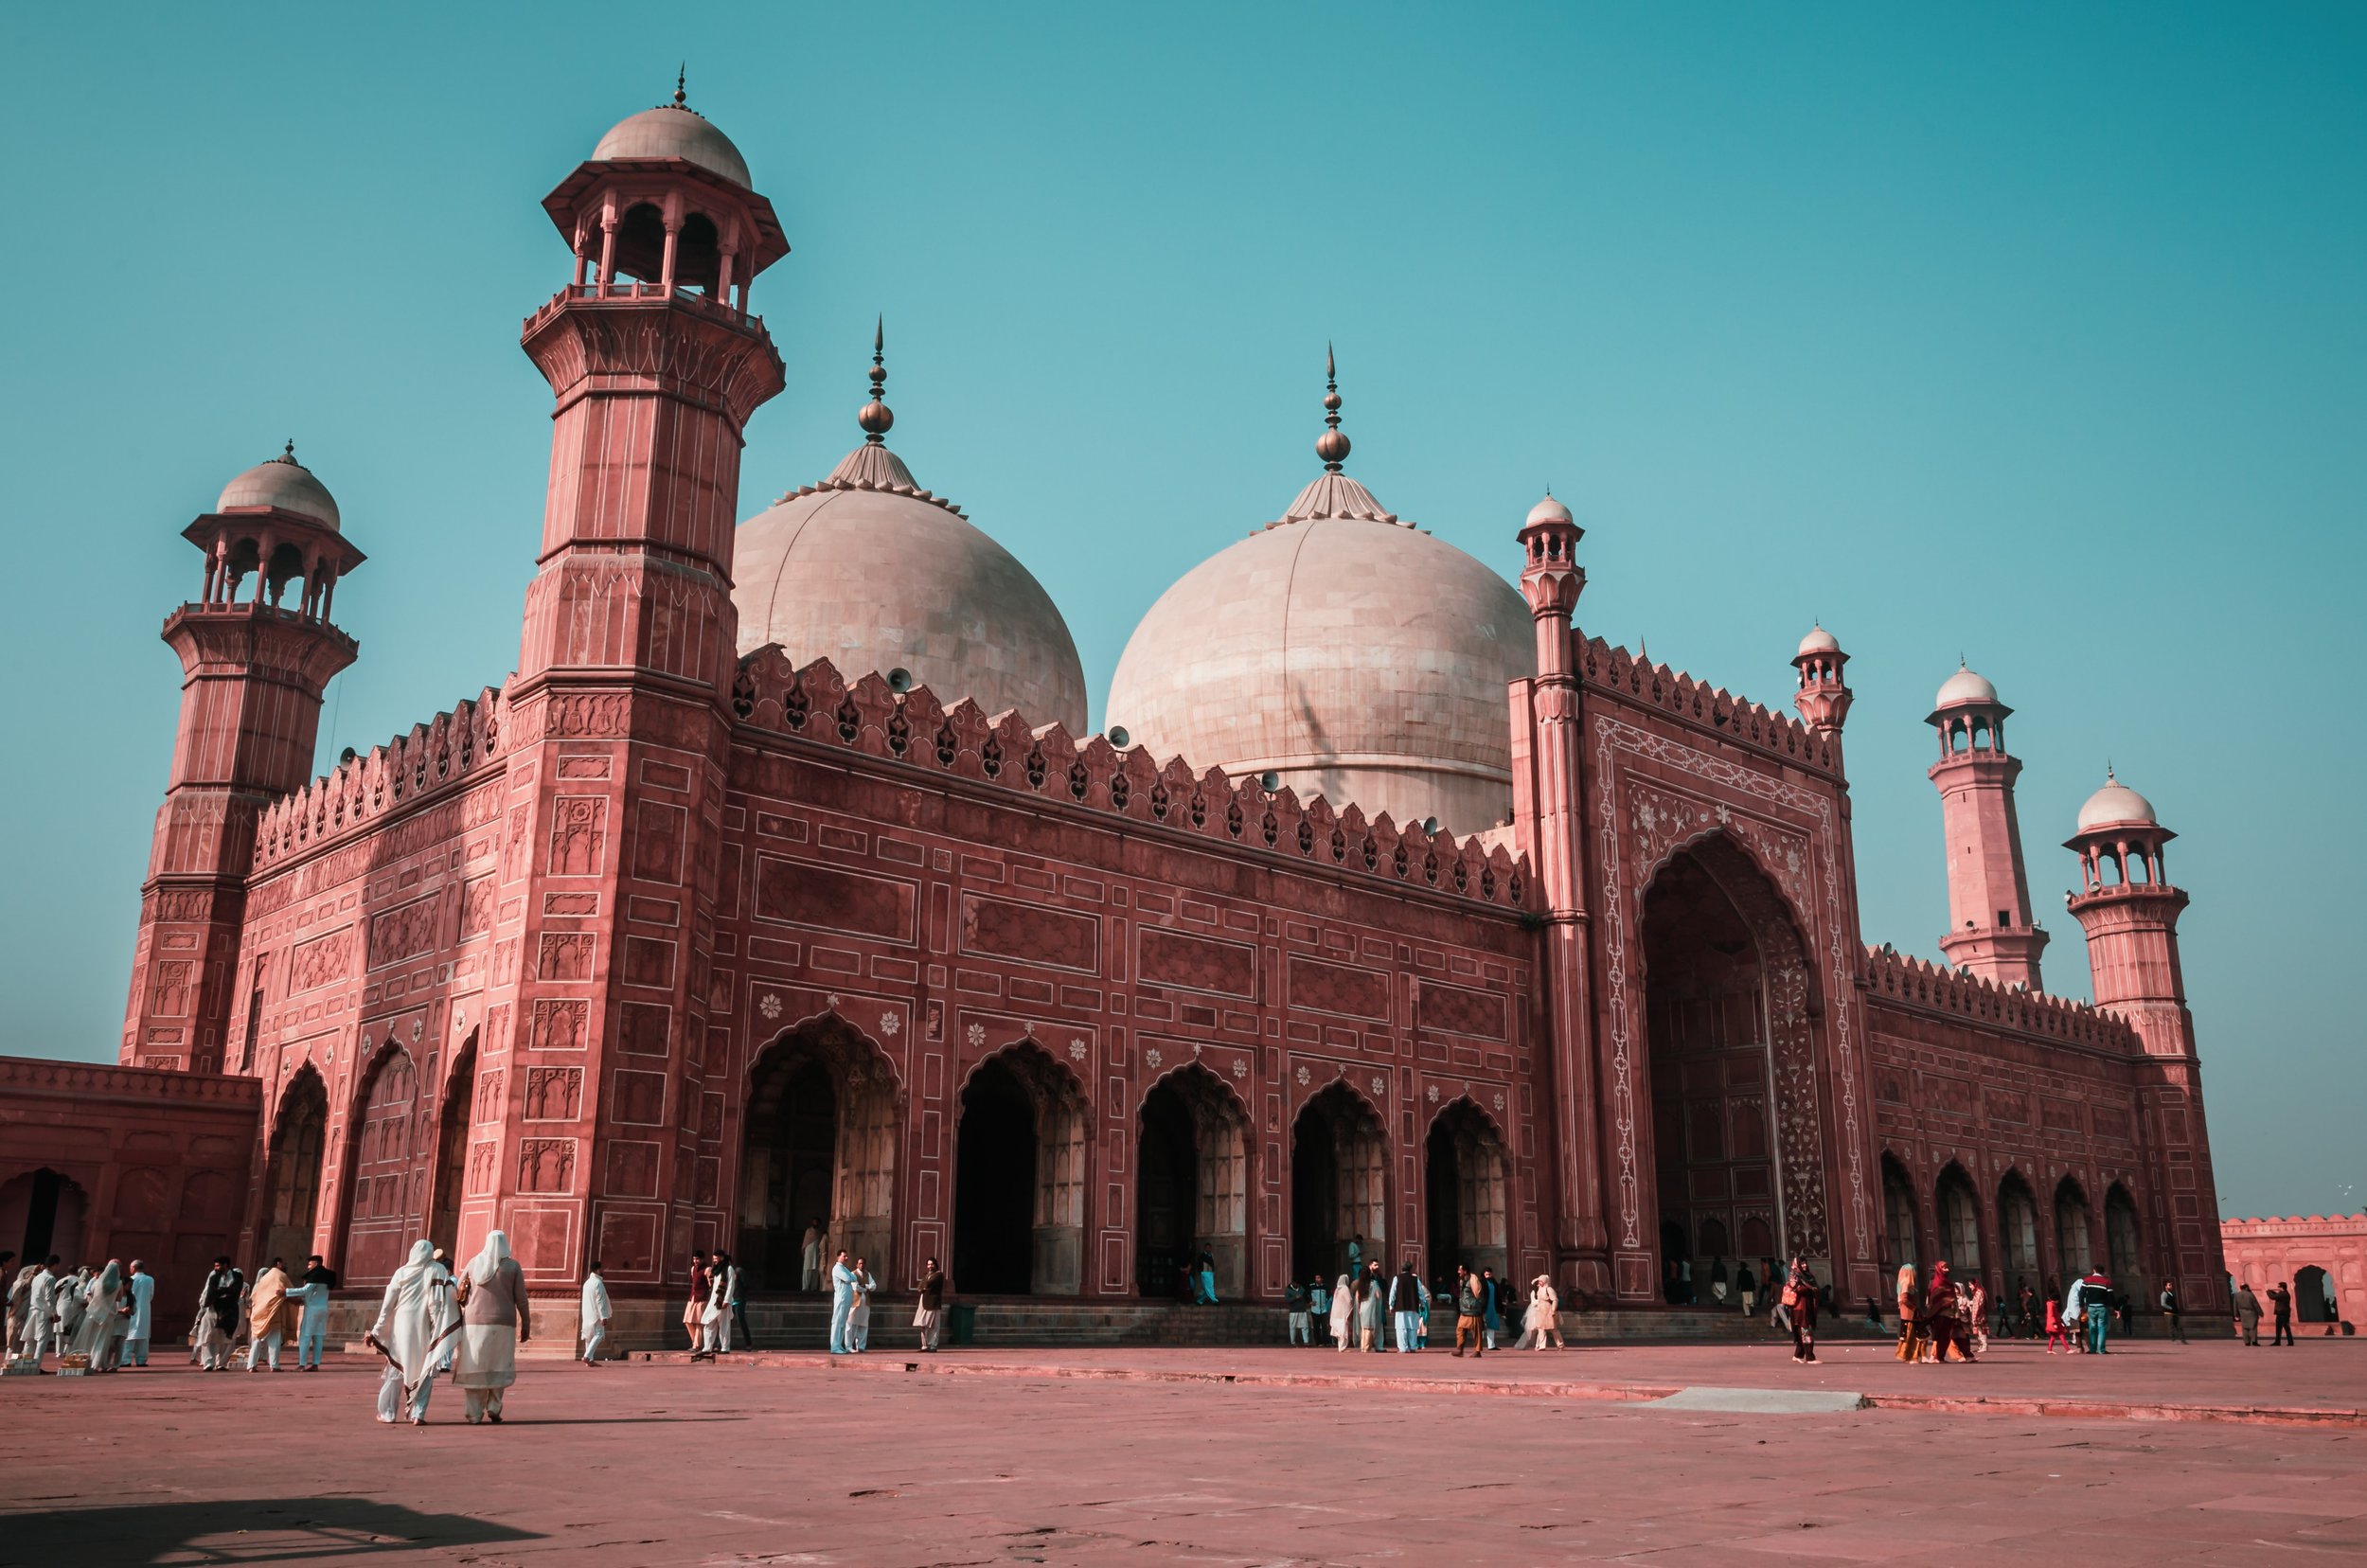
(1332, 445)
(875, 417)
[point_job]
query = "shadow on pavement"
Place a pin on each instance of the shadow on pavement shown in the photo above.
(266, 1529)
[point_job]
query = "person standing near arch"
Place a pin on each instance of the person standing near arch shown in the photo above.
(809, 1258)
(2280, 1298)
(841, 1301)
(139, 1291)
(495, 1321)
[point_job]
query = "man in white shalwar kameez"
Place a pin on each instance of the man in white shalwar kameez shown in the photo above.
(411, 1333)
(73, 1296)
(40, 1312)
(142, 1290)
(842, 1303)
(592, 1321)
(716, 1320)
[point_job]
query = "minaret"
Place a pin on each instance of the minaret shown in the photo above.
(1990, 932)
(2130, 911)
(1546, 816)
(1825, 699)
(253, 665)
(619, 713)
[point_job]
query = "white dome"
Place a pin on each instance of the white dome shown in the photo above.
(1353, 655)
(672, 131)
(872, 573)
(2114, 803)
(1547, 511)
(283, 483)
(1963, 687)
(1821, 641)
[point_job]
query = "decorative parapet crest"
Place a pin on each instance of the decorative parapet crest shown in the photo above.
(91, 1080)
(406, 770)
(815, 704)
(1710, 708)
(1918, 983)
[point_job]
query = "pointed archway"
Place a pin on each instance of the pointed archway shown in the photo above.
(1018, 1178)
(819, 1149)
(384, 1169)
(1730, 1006)
(1339, 1183)
(1191, 1184)
(2075, 1250)
(1959, 1211)
(2122, 1241)
(2017, 1233)
(1899, 1230)
(453, 1125)
(1463, 1177)
(43, 1212)
(292, 1178)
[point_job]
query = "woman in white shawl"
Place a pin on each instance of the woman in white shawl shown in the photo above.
(493, 1323)
(1343, 1312)
(1543, 1318)
(101, 1326)
(409, 1333)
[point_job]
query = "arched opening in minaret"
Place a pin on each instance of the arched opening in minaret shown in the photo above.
(1191, 1187)
(2018, 1232)
(2124, 1240)
(699, 259)
(1018, 1178)
(453, 1125)
(1729, 1020)
(291, 1173)
(1959, 1212)
(817, 1153)
(43, 1212)
(2073, 1253)
(1901, 1235)
(1463, 1166)
(2313, 1295)
(384, 1168)
(641, 245)
(1339, 1184)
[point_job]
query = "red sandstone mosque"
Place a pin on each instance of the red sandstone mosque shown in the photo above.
(782, 880)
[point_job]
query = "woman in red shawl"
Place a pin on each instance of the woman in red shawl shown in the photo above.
(1943, 1318)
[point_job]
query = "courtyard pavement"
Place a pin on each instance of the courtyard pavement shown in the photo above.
(1153, 1457)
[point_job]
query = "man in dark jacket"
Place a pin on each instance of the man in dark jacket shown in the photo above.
(2282, 1300)
(1471, 1302)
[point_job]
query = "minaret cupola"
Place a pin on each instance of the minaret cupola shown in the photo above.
(1824, 697)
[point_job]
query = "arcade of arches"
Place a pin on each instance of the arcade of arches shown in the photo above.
(2024, 1250)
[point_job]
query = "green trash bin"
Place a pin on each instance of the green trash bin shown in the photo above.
(961, 1324)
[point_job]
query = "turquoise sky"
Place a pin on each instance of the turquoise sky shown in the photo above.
(2034, 333)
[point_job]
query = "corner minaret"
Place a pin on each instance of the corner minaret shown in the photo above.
(253, 668)
(2129, 911)
(1990, 932)
(1546, 751)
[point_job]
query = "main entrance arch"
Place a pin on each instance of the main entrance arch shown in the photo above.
(1736, 1140)
(819, 1149)
(1018, 1178)
(292, 1180)
(1463, 1167)
(1339, 1183)
(1191, 1184)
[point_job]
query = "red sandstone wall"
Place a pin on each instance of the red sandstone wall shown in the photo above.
(2261, 1252)
(157, 1161)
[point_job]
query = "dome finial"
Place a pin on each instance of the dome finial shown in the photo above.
(287, 453)
(875, 417)
(1332, 445)
(682, 75)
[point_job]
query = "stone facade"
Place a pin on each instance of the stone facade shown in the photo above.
(659, 945)
(2323, 1258)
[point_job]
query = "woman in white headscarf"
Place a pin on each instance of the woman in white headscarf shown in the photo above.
(409, 1333)
(493, 1323)
(1343, 1312)
(1543, 1320)
(102, 1327)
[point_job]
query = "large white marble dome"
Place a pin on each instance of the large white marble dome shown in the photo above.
(1352, 654)
(873, 573)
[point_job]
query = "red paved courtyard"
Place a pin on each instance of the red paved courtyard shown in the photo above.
(1149, 1455)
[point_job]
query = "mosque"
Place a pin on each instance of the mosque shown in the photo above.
(782, 881)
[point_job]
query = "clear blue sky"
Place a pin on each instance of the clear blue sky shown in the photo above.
(2037, 333)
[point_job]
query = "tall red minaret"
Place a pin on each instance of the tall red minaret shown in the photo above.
(2129, 910)
(1990, 930)
(1546, 752)
(618, 717)
(253, 660)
